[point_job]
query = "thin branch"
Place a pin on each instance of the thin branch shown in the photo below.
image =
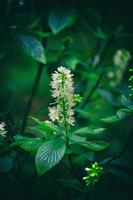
(110, 40)
(92, 90)
(102, 58)
(30, 102)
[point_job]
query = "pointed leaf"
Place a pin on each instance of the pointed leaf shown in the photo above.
(95, 145)
(89, 131)
(60, 18)
(32, 47)
(44, 125)
(29, 144)
(111, 119)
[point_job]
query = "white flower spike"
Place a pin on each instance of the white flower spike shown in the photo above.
(63, 93)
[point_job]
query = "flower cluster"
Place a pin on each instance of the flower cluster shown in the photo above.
(93, 174)
(63, 93)
(2, 129)
(121, 60)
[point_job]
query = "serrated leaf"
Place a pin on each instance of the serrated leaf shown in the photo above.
(29, 144)
(49, 155)
(32, 47)
(60, 18)
(89, 131)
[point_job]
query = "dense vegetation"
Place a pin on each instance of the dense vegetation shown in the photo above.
(66, 102)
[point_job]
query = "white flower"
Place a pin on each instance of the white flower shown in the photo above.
(111, 74)
(53, 113)
(96, 60)
(63, 93)
(2, 129)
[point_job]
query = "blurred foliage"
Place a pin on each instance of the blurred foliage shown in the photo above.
(85, 37)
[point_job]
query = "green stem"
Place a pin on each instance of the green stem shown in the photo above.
(104, 52)
(102, 58)
(110, 40)
(31, 99)
(67, 136)
(88, 98)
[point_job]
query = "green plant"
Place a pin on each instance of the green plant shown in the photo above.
(58, 139)
(46, 156)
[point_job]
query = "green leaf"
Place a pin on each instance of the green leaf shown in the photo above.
(81, 157)
(60, 18)
(83, 113)
(95, 145)
(6, 163)
(89, 131)
(127, 102)
(111, 119)
(99, 33)
(32, 47)
(120, 114)
(108, 96)
(49, 155)
(123, 113)
(122, 163)
(38, 131)
(29, 144)
(76, 138)
(44, 125)
(71, 61)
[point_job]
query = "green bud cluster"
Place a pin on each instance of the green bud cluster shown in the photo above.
(77, 98)
(93, 174)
